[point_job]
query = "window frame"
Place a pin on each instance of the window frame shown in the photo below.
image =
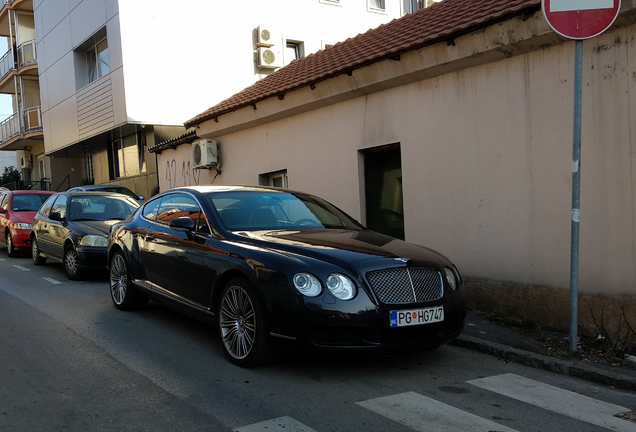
(378, 6)
(94, 60)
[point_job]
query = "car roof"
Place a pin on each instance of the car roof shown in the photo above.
(30, 191)
(93, 193)
(230, 188)
(101, 186)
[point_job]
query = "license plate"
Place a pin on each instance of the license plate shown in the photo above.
(403, 318)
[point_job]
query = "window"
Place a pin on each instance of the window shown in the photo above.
(181, 205)
(97, 60)
(126, 157)
(275, 179)
(293, 51)
(377, 5)
(60, 205)
(41, 167)
(91, 59)
(411, 6)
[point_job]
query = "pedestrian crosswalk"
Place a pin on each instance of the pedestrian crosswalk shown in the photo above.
(421, 413)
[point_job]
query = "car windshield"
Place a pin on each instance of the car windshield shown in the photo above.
(271, 210)
(98, 207)
(28, 202)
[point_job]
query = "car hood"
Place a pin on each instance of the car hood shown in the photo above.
(344, 247)
(101, 228)
(22, 216)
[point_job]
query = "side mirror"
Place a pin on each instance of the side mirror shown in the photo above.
(184, 224)
(141, 198)
(56, 216)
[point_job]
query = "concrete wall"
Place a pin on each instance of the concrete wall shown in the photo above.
(487, 167)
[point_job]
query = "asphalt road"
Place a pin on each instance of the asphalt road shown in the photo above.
(69, 361)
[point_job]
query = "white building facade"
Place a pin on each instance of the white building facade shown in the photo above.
(117, 77)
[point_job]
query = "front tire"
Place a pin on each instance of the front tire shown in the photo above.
(242, 325)
(71, 266)
(35, 253)
(122, 292)
(11, 251)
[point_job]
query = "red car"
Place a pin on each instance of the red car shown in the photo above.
(17, 209)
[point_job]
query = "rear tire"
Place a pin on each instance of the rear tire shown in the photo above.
(35, 253)
(122, 292)
(242, 325)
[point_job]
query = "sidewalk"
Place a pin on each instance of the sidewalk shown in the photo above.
(502, 342)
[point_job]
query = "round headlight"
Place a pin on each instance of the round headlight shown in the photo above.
(95, 241)
(307, 284)
(450, 277)
(341, 286)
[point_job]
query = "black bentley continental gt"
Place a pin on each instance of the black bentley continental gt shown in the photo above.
(273, 269)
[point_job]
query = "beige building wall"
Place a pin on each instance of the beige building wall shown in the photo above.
(487, 168)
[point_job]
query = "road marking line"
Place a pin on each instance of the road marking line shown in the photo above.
(425, 414)
(2, 259)
(53, 281)
(286, 424)
(574, 5)
(19, 267)
(557, 400)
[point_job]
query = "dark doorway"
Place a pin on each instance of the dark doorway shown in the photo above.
(383, 191)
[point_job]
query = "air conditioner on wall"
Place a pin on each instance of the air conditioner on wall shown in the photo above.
(266, 37)
(205, 153)
(268, 58)
(26, 161)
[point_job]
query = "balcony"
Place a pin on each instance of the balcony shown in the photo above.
(13, 131)
(26, 56)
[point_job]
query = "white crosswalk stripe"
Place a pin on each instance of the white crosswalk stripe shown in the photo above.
(425, 414)
(282, 424)
(19, 267)
(558, 400)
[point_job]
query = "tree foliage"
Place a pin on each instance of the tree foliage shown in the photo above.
(10, 175)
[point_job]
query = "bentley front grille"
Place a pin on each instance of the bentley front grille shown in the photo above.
(406, 285)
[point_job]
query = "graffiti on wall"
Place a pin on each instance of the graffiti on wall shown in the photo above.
(187, 176)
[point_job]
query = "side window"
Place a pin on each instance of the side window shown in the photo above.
(46, 207)
(150, 209)
(178, 205)
(60, 205)
(3, 202)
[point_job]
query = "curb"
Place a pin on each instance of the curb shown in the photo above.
(551, 364)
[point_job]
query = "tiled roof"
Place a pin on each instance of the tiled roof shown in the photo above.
(189, 135)
(442, 21)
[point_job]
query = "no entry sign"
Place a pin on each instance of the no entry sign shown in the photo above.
(580, 19)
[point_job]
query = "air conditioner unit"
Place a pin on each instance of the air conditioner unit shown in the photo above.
(205, 153)
(26, 161)
(268, 58)
(266, 37)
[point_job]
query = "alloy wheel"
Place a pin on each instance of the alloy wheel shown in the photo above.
(70, 262)
(238, 322)
(10, 247)
(118, 279)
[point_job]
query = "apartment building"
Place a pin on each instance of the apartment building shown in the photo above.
(108, 79)
(19, 78)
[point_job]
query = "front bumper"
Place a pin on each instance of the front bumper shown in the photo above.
(92, 258)
(21, 239)
(325, 325)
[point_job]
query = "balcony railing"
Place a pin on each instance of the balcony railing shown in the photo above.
(7, 64)
(27, 53)
(32, 122)
(32, 119)
(9, 128)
